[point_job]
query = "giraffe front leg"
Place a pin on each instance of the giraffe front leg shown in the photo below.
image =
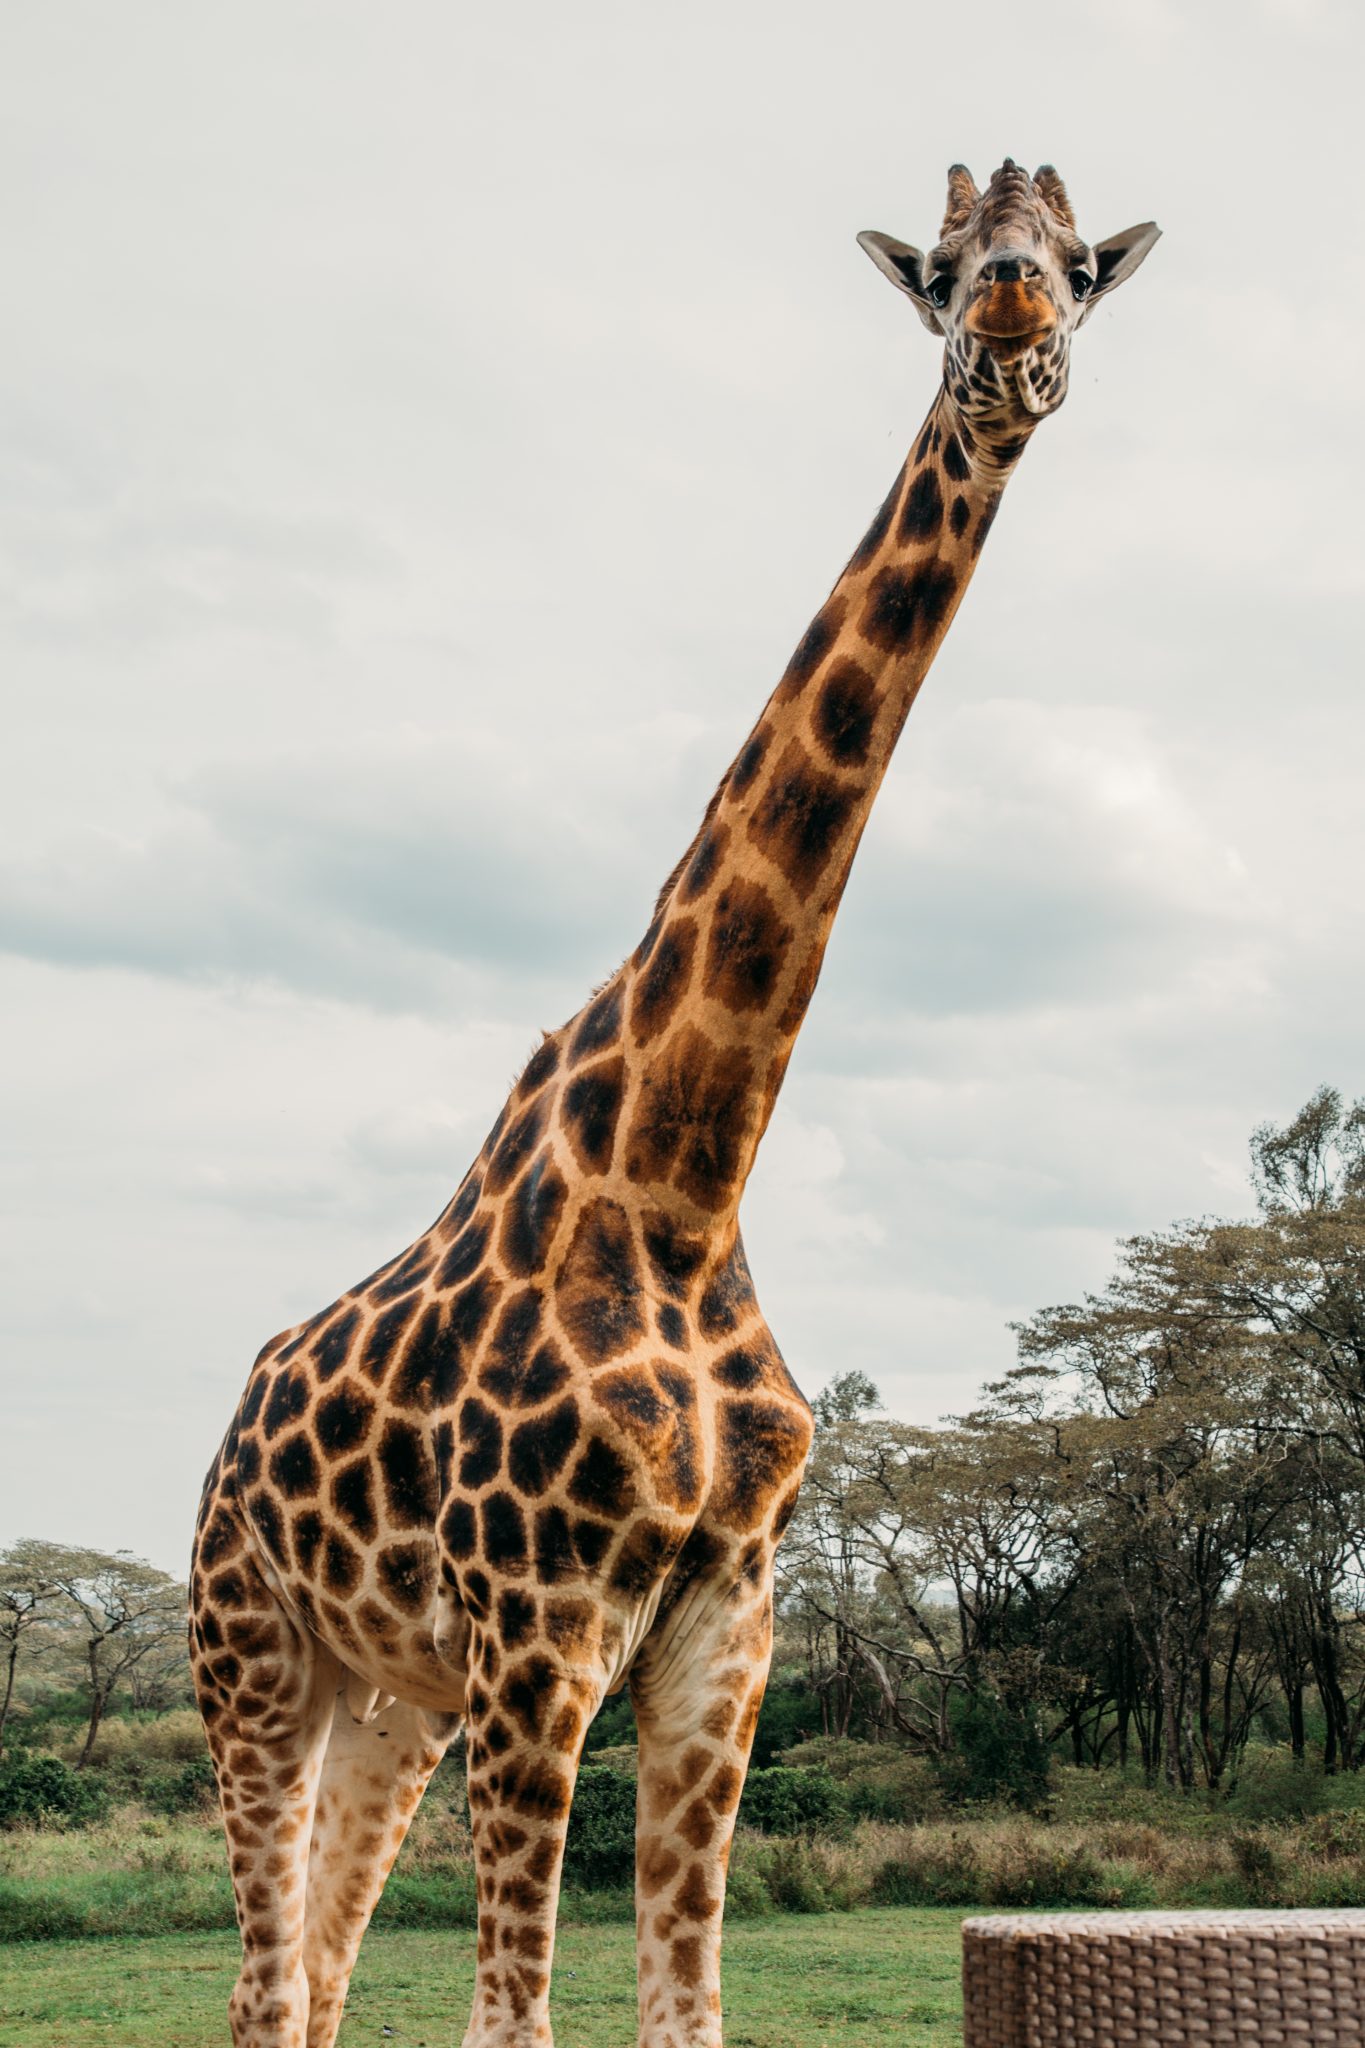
(528, 1708)
(265, 1690)
(372, 1782)
(697, 1687)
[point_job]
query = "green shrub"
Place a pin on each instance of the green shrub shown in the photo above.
(934, 1872)
(746, 1892)
(181, 1788)
(780, 1802)
(37, 1789)
(796, 1884)
(1031, 1870)
(878, 1780)
(1259, 1866)
(1274, 1786)
(998, 1755)
(601, 1844)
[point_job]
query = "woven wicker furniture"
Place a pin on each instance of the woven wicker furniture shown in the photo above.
(1165, 1980)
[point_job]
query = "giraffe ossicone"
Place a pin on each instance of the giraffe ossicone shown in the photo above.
(549, 1450)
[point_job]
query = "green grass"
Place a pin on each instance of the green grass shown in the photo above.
(831, 1982)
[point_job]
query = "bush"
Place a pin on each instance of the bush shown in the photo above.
(878, 1781)
(998, 1755)
(183, 1788)
(1274, 1786)
(1259, 1867)
(37, 1790)
(601, 1845)
(781, 1802)
(934, 1872)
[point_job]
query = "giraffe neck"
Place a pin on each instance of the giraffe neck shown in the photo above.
(669, 1076)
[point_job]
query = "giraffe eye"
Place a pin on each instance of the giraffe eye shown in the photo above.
(1082, 284)
(940, 289)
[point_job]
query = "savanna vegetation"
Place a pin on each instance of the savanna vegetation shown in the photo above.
(1096, 1642)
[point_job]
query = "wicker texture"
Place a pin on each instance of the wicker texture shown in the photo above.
(1165, 1980)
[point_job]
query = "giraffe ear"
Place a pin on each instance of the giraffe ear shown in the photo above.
(1120, 256)
(905, 268)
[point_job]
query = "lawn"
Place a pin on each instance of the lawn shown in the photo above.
(790, 1982)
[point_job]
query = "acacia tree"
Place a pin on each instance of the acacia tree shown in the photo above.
(27, 1598)
(126, 1611)
(1175, 1434)
(916, 1561)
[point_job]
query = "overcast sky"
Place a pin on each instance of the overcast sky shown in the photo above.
(426, 432)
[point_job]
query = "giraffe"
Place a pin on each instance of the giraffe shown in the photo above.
(549, 1449)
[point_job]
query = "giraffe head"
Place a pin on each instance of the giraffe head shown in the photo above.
(1007, 285)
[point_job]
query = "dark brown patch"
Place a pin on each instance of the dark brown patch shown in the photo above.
(332, 1347)
(537, 1450)
(906, 608)
(984, 524)
(465, 1255)
(539, 1067)
(602, 1481)
(655, 1407)
(533, 1212)
(385, 1334)
(761, 1443)
(674, 1254)
(406, 1575)
(525, 1381)
(555, 1555)
(815, 644)
(288, 1401)
(702, 862)
(341, 1564)
(747, 946)
(599, 1026)
(846, 713)
(294, 1467)
(588, 1114)
(660, 988)
(800, 816)
(516, 1618)
(692, 1119)
(922, 513)
(598, 1287)
(504, 1534)
(343, 1419)
(516, 1145)
(481, 1436)
(431, 1371)
(644, 1558)
(571, 1627)
(728, 1296)
(353, 1498)
(409, 1475)
(749, 760)
(527, 1691)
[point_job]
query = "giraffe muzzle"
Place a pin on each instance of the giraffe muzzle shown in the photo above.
(1011, 315)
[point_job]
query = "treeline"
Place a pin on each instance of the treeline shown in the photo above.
(1147, 1544)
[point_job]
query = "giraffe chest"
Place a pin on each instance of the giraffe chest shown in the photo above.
(457, 1428)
